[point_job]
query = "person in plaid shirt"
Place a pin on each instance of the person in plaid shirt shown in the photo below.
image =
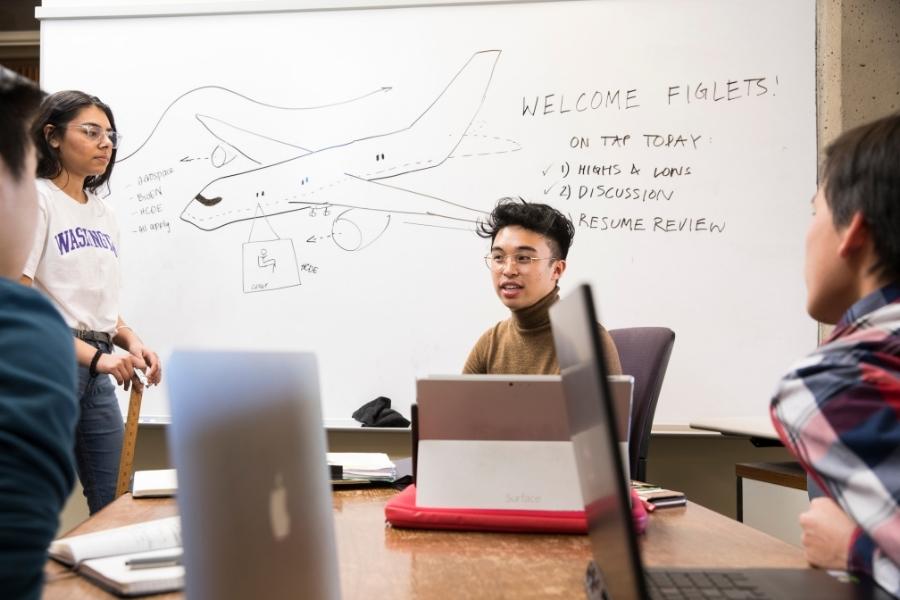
(838, 410)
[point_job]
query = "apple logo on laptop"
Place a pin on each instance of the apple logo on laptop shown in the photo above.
(279, 518)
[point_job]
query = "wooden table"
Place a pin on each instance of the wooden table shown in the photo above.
(377, 561)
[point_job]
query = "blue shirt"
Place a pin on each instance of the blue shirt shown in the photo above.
(38, 413)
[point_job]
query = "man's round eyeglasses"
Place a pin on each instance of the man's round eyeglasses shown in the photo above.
(496, 262)
(93, 133)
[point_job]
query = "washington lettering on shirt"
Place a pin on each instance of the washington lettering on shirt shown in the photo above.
(68, 240)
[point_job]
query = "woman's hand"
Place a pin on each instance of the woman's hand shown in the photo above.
(151, 361)
(120, 366)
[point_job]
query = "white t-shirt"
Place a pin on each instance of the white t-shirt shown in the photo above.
(75, 258)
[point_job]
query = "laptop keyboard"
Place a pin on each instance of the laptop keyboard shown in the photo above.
(702, 586)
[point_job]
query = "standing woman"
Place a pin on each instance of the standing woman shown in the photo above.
(75, 262)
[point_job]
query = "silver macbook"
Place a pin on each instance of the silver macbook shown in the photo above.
(510, 430)
(248, 444)
(617, 572)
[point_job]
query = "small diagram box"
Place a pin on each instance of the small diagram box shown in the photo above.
(270, 265)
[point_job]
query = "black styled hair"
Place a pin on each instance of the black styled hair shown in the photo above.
(539, 218)
(19, 101)
(58, 110)
(861, 173)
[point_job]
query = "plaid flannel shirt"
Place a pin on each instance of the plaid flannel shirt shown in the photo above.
(838, 411)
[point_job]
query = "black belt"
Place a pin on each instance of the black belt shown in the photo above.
(93, 336)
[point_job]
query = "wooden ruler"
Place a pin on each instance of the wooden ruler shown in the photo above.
(126, 459)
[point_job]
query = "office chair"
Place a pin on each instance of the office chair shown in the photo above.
(644, 353)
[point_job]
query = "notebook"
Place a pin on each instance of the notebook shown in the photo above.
(103, 556)
(617, 572)
(658, 496)
(139, 537)
(362, 467)
(116, 575)
(403, 511)
(154, 483)
(248, 441)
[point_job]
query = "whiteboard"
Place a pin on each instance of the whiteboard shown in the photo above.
(308, 180)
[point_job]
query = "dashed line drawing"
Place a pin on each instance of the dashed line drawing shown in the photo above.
(353, 234)
(351, 175)
(225, 157)
(270, 262)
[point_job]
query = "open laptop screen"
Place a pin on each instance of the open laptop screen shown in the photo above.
(253, 493)
(591, 423)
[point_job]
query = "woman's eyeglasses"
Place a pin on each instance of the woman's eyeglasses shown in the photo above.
(93, 133)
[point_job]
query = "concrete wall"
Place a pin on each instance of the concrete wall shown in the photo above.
(857, 63)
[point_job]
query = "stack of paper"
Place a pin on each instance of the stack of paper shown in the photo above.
(366, 466)
(658, 496)
(102, 556)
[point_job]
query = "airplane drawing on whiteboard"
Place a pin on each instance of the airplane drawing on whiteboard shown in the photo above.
(358, 177)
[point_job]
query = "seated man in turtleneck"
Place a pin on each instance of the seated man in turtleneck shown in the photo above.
(529, 245)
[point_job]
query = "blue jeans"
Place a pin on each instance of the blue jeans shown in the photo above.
(98, 436)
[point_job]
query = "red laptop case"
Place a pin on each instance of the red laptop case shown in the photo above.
(402, 511)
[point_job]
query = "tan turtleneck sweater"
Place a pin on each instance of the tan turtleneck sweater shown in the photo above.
(523, 344)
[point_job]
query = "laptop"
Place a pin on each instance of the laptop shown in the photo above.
(510, 430)
(248, 444)
(617, 572)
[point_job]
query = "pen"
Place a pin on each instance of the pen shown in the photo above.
(153, 562)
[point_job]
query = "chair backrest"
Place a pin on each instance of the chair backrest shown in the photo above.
(644, 353)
